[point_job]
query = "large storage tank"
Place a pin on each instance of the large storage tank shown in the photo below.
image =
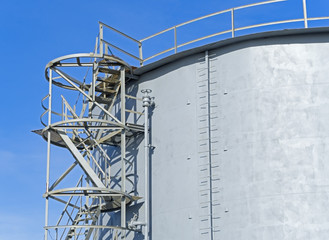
(238, 140)
(240, 136)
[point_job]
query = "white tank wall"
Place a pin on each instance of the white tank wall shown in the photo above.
(269, 135)
(174, 190)
(275, 171)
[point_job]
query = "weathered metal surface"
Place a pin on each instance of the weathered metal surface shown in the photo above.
(240, 142)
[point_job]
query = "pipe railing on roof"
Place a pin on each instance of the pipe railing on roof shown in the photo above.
(176, 46)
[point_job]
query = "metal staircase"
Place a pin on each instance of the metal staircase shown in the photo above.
(98, 118)
(84, 215)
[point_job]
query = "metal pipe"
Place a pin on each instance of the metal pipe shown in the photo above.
(96, 46)
(140, 48)
(93, 83)
(48, 150)
(123, 152)
(259, 3)
(175, 30)
(269, 24)
(146, 104)
(317, 18)
(305, 14)
(211, 15)
(203, 38)
(232, 22)
(232, 30)
(155, 55)
(156, 34)
(101, 39)
(116, 30)
(106, 49)
(121, 50)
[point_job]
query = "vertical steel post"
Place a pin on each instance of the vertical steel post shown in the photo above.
(305, 14)
(96, 46)
(175, 33)
(106, 170)
(146, 105)
(106, 49)
(232, 22)
(101, 39)
(140, 47)
(48, 149)
(93, 84)
(62, 109)
(123, 151)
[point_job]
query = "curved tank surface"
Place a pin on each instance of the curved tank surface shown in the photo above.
(239, 135)
(229, 141)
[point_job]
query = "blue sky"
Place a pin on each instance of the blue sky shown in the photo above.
(35, 32)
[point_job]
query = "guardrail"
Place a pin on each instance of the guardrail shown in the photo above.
(104, 45)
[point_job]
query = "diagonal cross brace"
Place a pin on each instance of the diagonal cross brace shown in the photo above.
(81, 160)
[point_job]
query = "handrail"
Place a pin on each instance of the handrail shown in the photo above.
(102, 42)
(121, 50)
(231, 30)
(123, 34)
(259, 3)
(47, 110)
(68, 203)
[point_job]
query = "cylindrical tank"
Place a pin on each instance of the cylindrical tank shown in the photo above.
(240, 139)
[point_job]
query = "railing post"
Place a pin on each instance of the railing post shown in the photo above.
(96, 46)
(232, 22)
(140, 53)
(175, 33)
(101, 38)
(305, 14)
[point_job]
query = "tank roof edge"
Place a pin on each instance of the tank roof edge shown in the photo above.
(230, 41)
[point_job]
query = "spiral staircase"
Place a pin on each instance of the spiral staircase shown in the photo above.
(96, 132)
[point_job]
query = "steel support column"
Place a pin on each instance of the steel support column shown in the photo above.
(48, 150)
(123, 151)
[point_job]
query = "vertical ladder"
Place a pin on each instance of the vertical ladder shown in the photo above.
(208, 134)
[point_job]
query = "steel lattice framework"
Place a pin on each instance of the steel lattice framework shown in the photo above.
(96, 120)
